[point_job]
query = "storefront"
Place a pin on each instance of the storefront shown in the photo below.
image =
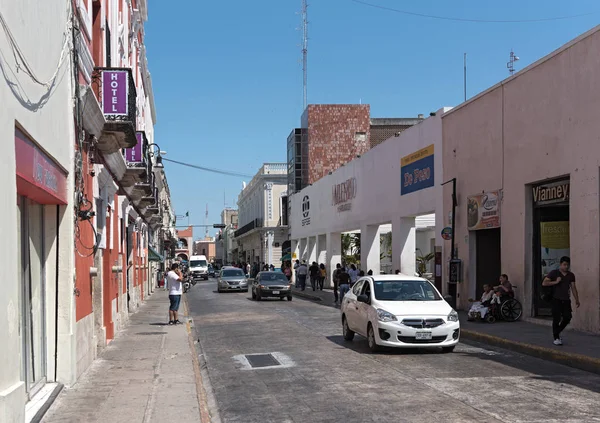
(41, 191)
(536, 150)
(550, 234)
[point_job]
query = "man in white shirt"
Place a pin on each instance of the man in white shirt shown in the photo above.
(174, 282)
(302, 272)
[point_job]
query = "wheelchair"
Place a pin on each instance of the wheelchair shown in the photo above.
(509, 310)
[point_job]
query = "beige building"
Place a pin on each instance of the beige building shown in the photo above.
(205, 247)
(526, 159)
(262, 225)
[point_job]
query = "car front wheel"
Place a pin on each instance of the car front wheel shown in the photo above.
(371, 339)
(348, 334)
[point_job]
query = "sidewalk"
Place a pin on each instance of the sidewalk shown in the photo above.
(147, 374)
(581, 350)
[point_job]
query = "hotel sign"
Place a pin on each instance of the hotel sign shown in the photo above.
(417, 171)
(343, 194)
(115, 86)
(555, 192)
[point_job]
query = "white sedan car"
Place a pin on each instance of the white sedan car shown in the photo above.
(399, 311)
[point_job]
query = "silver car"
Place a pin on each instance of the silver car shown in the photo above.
(232, 279)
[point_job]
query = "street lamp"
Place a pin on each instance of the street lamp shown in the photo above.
(158, 154)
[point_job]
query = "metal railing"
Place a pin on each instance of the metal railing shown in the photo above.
(256, 223)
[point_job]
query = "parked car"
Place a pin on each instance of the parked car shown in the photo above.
(271, 285)
(399, 311)
(232, 279)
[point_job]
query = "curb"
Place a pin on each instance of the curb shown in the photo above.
(209, 412)
(305, 295)
(578, 361)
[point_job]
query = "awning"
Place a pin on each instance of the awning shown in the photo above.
(153, 255)
(287, 257)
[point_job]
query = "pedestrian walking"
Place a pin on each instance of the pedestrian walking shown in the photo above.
(302, 272)
(248, 269)
(353, 273)
(174, 280)
(287, 271)
(336, 280)
(344, 281)
(315, 274)
(272, 268)
(562, 283)
(296, 266)
(323, 276)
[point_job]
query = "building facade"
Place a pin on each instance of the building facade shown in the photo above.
(206, 247)
(262, 228)
(84, 142)
(386, 128)
(353, 198)
(525, 157)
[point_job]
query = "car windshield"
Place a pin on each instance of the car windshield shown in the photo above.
(230, 273)
(273, 279)
(405, 291)
(198, 263)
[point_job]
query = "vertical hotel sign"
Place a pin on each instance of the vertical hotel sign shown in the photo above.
(134, 154)
(417, 170)
(115, 87)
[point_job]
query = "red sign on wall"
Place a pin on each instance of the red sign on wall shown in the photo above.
(38, 176)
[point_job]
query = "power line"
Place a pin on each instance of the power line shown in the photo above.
(207, 169)
(446, 18)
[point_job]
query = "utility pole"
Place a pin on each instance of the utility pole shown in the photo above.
(465, 77)
(205, 220)
(305, 53)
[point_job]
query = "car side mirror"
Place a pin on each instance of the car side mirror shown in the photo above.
(363, 298)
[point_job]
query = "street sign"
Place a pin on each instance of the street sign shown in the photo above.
(219, 226)
(447, 233)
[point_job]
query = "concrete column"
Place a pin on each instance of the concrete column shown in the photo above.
(321, 248)
(295, 250)
(333, 254)
(270, 240)
(404, 245)
(302, 250)
(312, 249)
(370, 249)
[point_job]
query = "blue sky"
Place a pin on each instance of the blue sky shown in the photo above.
(227, 76)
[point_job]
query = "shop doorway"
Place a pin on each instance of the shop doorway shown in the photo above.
(551, 242)
(32, 258)
(488, 258)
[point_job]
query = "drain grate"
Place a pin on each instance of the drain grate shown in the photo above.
(262, 360)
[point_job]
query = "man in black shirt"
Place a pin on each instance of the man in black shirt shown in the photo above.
(315, 274)
(344, 281)
(562, 282)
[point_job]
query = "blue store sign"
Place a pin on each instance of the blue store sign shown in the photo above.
(417, 171)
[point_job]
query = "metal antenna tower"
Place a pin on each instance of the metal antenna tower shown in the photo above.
(511, 63)
(305, 52)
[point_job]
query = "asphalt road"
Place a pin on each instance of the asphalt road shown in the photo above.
(326, 379)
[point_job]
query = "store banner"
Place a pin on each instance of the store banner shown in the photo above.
(483, 211)
(417, 170)
(555, 242)
(115, 87)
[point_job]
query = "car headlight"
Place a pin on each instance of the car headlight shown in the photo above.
(384, 316)
(453, 316)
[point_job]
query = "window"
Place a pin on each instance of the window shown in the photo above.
(405, 290)
(231, 273)
(356, 288)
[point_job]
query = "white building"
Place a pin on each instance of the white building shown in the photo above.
(262, 207)
(397, 184)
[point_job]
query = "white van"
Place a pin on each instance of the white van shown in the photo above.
(199, 267)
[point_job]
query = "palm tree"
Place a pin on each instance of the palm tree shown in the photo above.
(423, 261)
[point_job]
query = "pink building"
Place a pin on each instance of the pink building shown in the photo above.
(526, 157)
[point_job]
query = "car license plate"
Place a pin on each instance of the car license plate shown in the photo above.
(276, 292)
(423, 335)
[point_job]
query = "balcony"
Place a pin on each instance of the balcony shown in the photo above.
(117, 93)
(256, 223)
(136, 159)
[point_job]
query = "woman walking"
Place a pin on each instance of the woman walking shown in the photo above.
(323, 276)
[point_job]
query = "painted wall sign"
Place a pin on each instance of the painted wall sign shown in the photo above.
(483, 211)
(417, 170)
(305, 211)
(343, 193)
(134, 154)
(38, 176)
(115, 90)
(555, 192)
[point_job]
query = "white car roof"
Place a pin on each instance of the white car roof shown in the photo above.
(400, 277)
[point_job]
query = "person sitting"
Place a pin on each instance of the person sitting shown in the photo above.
(480, 308)
(502, 291)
